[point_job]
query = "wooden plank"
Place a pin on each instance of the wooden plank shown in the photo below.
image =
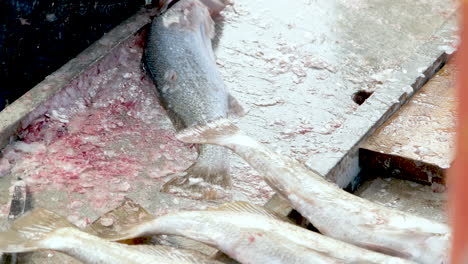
(407, 196)
(417, 143)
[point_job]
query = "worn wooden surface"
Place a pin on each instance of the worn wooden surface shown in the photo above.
(299, 90)
(418, 141)
(407, 196)
(296, 66)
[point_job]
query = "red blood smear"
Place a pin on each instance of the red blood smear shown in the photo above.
(304, 131)
(105, 136)
(100, 136)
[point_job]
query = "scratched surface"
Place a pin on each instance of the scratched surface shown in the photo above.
(406, 196)
(90, 140)
(105, 137)
(297, 81)
(297, 64)
(418, 141)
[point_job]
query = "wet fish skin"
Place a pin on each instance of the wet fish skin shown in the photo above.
(180, 60)
(214, 6)
(251, 234)
(42, 229)
(331, 210)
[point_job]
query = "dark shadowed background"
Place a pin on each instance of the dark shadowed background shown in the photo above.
(39, 36)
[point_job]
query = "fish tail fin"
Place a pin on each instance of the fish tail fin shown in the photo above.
(208, 178)
(214, 132)
(128, 216)
(28, 231)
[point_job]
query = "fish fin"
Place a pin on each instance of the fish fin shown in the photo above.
(248, 208)
(26, 233)
(212, 133)
(189, 14)
(215, 6)
(123, 217)
(176, 120)
(208, 178)
(125, 234)
(235, 108)
(176, 254)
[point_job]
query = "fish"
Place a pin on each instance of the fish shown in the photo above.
(214, 6)
(42, 229)
(333, 211)
(252, 234)
(180, 60)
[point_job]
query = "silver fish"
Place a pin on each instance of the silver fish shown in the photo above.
(42, 229)
(252, 234)
(331, 210)
(180, 60)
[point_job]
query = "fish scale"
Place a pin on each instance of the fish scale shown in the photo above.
(41, 229)
(333, 211)
(180, 60)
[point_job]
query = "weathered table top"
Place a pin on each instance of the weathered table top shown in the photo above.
(418, 141)
(296, 66)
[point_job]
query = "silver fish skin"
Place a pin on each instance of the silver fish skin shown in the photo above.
(44, 230)
(331, 210)
(251, 234)
(180, 60)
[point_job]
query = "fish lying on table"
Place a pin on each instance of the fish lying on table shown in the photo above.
(180, 60)
(331, 210)
(252, 234)
(44, 230)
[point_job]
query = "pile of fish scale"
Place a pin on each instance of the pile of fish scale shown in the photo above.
(352, 230)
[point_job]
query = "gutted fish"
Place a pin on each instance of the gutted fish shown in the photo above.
(331, 210)
(42, 229)
(252, 234)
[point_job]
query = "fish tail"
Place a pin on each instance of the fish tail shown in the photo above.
(216, 6)
(214, 132)
(129, 215)
(27, 233)
(208, 178)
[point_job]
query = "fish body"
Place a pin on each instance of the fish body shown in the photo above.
(251, 234)
(180, 60)
(331, 210)
(214, 6)
(44, 230)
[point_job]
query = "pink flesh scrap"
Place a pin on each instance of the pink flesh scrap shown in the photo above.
(103, 137)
